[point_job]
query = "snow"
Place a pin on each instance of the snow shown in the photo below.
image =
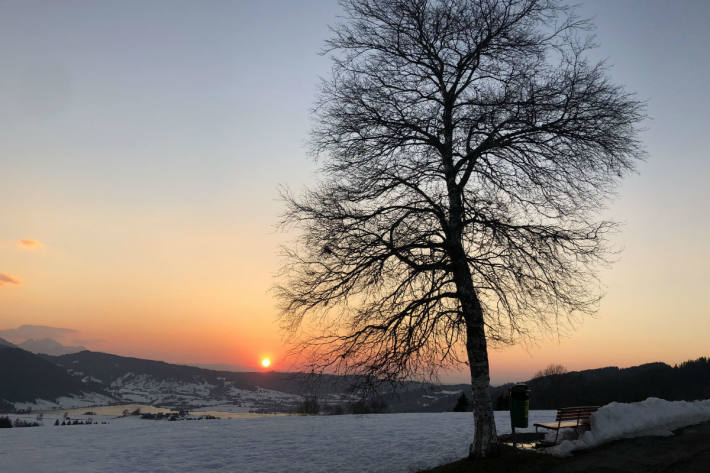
(350, 443)
(627, 420)
(146, 389)
(66, 402)
(37, 405)
(87, 379)
(222, 408)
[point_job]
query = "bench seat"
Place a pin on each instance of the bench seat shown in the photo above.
(570, 424)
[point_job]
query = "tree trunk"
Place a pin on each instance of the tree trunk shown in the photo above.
(485, 440)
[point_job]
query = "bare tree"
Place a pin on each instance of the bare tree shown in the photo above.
(465, 146)
(551, 370)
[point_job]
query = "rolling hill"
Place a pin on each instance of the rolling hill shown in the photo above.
(80, 379)
(26, 377)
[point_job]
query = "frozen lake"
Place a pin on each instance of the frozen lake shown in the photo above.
(349, 443)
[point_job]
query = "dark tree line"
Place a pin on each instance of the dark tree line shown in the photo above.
(687, 381)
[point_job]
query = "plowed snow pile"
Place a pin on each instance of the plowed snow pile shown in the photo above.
(637, 419)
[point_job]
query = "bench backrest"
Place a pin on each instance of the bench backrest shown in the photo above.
(580, 413)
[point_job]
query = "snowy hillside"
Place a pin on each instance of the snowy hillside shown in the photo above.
(26, 377)
(147, 389)
(91, 378)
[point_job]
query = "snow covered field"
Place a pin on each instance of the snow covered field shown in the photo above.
(351, 443)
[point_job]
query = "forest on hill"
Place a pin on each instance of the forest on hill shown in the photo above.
(686, 381)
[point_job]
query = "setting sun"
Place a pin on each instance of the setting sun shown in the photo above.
(265, 362)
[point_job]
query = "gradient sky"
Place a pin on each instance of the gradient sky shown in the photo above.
(142, 145)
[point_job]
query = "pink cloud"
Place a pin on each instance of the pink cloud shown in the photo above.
(8, 279)
(28, 244)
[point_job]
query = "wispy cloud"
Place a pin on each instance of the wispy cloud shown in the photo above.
(27, 244)
(9, 279)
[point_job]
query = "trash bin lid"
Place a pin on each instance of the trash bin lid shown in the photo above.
(520, 391)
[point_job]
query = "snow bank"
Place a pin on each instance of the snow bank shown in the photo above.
(637, 419)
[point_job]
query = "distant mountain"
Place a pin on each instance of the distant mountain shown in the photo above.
(165, 384)
(135, 380)
(47, 346)
(159, 383)
(25, 332)
(85, 377)
(221, 367)
(108, 369)
(5, 344)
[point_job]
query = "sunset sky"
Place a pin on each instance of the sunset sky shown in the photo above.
(142, 145)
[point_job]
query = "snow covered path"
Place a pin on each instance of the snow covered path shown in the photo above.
(352, 443)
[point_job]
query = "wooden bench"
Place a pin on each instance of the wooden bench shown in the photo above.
(569, 418)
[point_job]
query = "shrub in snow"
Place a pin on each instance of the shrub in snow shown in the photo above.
(25, 423)
(5, 423)
(462, 404)
(309, 406)
(637, 419)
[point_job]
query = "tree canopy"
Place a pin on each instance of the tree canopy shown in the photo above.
(465, 148)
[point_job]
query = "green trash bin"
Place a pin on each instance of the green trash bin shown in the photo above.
(519, 405)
